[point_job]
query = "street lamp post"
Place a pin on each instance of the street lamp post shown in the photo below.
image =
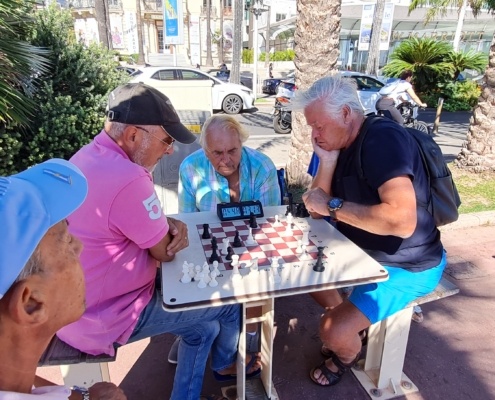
(256, 7)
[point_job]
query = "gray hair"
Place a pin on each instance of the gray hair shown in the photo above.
(224, 123)
(32, 267)
(334, 91)
(115, 129)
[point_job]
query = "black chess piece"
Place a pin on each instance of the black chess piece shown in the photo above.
(252, 221)
(230, 252)
(237, 240)
(304, 211)
(214, 256)
(206, 231)
(214, 243)
(287, 211)
(298, 210)
(319, 267)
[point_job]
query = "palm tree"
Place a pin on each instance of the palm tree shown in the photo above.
(139, 27)
(20, 63)
(317, 51)
(103, 20)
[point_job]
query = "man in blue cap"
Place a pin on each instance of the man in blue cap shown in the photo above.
(41, 279)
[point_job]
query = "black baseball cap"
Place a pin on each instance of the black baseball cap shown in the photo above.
(140, 104)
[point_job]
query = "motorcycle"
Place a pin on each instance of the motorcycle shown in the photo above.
(409, 112)
(282, 116)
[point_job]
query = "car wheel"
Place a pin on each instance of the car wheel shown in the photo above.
(232, 104)
(281, 126)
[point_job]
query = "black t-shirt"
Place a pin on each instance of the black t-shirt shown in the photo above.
(387, 151)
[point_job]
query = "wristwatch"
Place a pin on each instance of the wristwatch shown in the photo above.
(83, 391)
(334, 204)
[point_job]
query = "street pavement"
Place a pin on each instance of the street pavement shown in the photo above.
(450, 355)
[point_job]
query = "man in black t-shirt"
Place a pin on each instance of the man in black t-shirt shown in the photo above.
(378, 211)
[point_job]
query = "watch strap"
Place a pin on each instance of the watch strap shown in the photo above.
(82, 391)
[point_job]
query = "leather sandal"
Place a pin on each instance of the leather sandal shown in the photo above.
(333, 377)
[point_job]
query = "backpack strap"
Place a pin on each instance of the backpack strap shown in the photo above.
(370, 120)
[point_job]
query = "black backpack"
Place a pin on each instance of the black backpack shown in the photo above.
(444, 200)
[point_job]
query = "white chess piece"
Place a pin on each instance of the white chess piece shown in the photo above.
(213, 281)
(305, 238)
(215, 268)
(235, 260)
(274, 274)
(236, 275)
(192, 272)
(226, 244)
(275, 263)
(277, 221)
(254, 264)
(186, 278)
(201, 283)
(289, 219)
(250, 239)
(206, 272)
(288, 229)
(198, 270)
(304, 253)
(299, 247)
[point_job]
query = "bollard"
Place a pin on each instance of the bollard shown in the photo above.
(437, 117)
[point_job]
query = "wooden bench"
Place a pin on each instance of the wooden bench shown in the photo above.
(78, 368)
(381, 372)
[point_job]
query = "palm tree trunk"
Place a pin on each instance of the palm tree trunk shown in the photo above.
(209, 60)
(317, 51)
(103, 20)
(235, 69)
(374, 50)
(139, 27)
(478, 152)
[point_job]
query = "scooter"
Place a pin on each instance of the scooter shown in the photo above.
(282, 116)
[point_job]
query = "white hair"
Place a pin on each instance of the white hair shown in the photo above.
(223, 123)
(334, 91)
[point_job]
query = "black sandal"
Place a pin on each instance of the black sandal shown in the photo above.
(333, 377)
(326, 352)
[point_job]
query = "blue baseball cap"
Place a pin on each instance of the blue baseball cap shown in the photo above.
(31, 202)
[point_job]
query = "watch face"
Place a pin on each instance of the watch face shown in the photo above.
(247, 210)
(231, 212)
(335, 203)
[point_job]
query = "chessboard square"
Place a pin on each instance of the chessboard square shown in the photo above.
(216, 230)
(240, 250)
(282, 245)
(262, 242)
(285, 252)
(312, 255)
(263, 262)
(280, 228)
(257, 254)
(229, 229)
(292, 245)
(291, 258)
(277, 239)
(271, 234)
(267, 247)
(272, 253)
(297, 233)
(222, 267)
(290, 238)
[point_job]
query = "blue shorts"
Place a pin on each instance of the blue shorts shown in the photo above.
(377, 301)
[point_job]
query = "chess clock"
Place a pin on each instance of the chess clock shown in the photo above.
(240, 210)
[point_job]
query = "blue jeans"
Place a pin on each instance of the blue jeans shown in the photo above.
(215, 328)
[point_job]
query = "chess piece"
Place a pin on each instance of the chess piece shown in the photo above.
(192, 272)
(236, 275)
(250, 239)
(305, 238)
(225, 248)
(287, 211)
(304, 254)
(237, 240)
(230, 253)
(235, 260)
(186, 278)
(214, 256)
(290, 218)
(254, 264)
(206, 272)
(206, 232)
(299, 247)
(319, 267)
(201, 283)
(275, 263)
(274, 274)
(197, 271)
(215, 268)
(214, 243)
(277, 221)
(213, 279)
(252, 221)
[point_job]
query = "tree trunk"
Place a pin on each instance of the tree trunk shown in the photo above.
(478, 152)
(103, 21)
(374, 51)
(209, 60)
(317, 50)
(139, 28)
(220, 40)
(235, 69)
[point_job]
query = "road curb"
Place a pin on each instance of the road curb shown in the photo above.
(471, 220)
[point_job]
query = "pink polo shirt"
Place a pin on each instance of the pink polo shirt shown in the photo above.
(119, 221)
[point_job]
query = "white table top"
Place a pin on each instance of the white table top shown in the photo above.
(345, 265)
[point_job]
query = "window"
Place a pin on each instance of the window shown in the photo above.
(164, 75)
(280, 17)
(192, 75)
(365, 83)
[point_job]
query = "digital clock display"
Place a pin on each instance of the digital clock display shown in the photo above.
(241, 210)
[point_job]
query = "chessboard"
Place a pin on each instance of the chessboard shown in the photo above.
(272, 240)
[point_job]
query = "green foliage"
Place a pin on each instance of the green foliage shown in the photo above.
(458, 96)
(20, 62)
(247, 56)
(71, 102)
(284, 55)
(470, 60)
(425, 57)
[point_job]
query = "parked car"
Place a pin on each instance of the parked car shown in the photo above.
(224, 76)
(270, 85)
(229, 97)
(367, 86)
(132, 71)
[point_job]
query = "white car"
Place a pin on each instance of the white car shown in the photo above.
(367, 87)
(229, 97)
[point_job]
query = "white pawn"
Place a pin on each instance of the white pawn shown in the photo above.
(235, 260)
(275, 263)
(289, 219)
(236, 275)
(254, 264)
(198, 270)
(299, 247)
(225, 246)
(215, 268)
(213, 281)
(275, 276)
(192, 272)
(304, 253)
(305, 238)
(201, 283)
(250, 240)
(277, 221)
(206, 272)
(186, 278)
